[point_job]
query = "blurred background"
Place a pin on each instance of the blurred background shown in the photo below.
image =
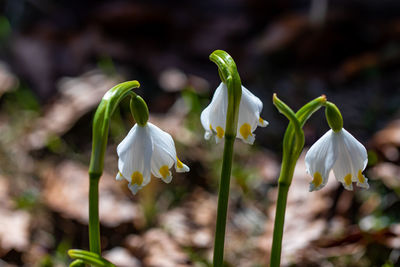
(58, 58)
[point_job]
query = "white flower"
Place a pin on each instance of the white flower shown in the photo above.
(213, 117)
(342, 152)
(147, 150)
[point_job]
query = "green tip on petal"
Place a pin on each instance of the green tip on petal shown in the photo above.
(333, 116)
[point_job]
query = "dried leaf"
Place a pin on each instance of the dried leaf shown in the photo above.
(66, 191)
(77, 97)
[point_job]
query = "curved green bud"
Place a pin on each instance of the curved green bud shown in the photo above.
(101, 123)
(333, 116)
(89, 258)
(139, 110)
(229, 75)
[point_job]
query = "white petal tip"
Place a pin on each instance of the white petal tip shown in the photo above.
(119, 177)
(314, 188)
(264, 123)
(183, 168)
(218, 140)
(207, 135)
(311, 188)
(134, 188)
(364, 185)
(348, 187)
(250, 139)
(167, 179)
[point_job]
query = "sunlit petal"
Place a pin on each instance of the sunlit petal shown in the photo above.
(164, 153)
(180, 166)
(320, 160)
(134, 154)
(249, 116)
(351, 162)
(147, 149)
(341, 152)
(213, 118)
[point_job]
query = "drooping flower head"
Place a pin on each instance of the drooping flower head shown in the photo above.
(338, 150)
(213, 117)
(147, 150)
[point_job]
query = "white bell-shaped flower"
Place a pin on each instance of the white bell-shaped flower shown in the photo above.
(341, 152)
(213, 117)
(146, 150)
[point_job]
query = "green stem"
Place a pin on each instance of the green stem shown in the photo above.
(283, 189)
(94, 225)
(293, 143)
(223, 197)
(230, 76)
(101, 124)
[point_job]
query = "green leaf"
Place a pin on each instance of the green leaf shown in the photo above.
(89, 258)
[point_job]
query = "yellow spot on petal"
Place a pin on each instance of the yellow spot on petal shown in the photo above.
(360, 177)
(137, 178)
(317, 181)
(220, 131)
(261, 120)
(179, 163)
(210, 127)
(164, 171)
(245, 130)
(347, 179)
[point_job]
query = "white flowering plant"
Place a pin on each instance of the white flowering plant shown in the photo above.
(145, 150)
(233, 112)
(337, 150)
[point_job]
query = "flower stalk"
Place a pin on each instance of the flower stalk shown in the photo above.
(293, 143)
(229, 74)
(101, 124)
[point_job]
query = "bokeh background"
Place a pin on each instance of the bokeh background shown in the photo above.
(58, 58)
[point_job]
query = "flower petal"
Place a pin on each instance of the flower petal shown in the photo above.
(320, 159)
(213, 117)
(262, 123)
(164, 153)
(134, 157)
(249, 116)
(120, 177)
(180, 166)
(205, 121)
(351, 162)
